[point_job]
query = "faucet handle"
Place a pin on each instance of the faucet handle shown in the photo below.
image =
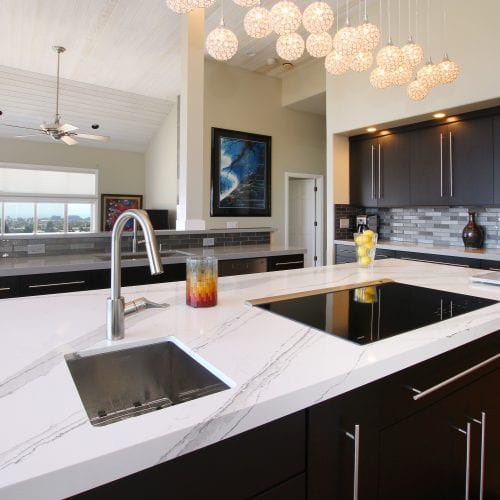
(140, 304)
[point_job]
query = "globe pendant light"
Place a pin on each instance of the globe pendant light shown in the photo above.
(290, 46)
(368, 33)
(380, 78)
(413, 53)
(318, 17)
(246, 3)
(319, 44)
(336, 63)
(390, 57)
(257, 22)
(448, 70)
(221, 42)
(180, 6)
(429, 75)
(417, 90)
(346, 41)
(285, 17)
(201, 4)
(401, 75)
(361, 61)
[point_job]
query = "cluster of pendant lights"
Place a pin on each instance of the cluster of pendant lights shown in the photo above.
(350, 49)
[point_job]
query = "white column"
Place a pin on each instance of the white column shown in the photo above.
(190, 184)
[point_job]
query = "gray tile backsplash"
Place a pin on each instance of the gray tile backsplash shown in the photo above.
(432, 225)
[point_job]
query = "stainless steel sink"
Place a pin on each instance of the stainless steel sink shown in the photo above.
(121, 382)
(143, 255)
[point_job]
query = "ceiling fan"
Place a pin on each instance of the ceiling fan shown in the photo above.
(66, 133)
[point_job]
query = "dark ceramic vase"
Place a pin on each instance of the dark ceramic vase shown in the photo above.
(472, 235)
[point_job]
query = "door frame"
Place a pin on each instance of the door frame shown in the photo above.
(319, 210)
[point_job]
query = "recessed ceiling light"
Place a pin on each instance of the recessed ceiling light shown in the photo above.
(371, 129)
(250, 54)
(439, 115)
(385, 132)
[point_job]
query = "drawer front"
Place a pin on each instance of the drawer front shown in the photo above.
(234, 267)
(438, 259)
(42, 284)
(282, 262)
(9, 287)
(492, 265)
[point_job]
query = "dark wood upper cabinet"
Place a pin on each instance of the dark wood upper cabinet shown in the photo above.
(496, 158)
(379, 174)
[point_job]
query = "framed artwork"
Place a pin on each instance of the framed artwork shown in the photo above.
(241, 174)
(112, 205)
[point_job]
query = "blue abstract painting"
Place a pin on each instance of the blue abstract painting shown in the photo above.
(242, 175)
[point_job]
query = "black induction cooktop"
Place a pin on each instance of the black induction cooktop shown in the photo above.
(371, 313)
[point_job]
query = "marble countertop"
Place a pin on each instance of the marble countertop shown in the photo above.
(83, 262)
(48, 448)
(452, 251)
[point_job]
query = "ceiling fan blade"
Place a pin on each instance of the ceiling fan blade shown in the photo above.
(29, 135)
(18, 126)
(94, 137)
(67, 128)
(68, 140)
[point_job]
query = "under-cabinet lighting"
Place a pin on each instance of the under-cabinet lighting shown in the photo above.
(439, 115)
(371, 129)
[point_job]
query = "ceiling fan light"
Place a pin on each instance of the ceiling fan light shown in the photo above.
(417, 90)
(180, 6)
(290, 47)
(390, 57)
(346, 41)
(319, 44)
(361, 61)
(449, 70)
(380, 78)
(336, 63)
(222, 43)
(285, 17)
(257, 22)
(318, 17)
(369, 35)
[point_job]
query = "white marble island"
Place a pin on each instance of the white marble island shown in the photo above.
(48, 448)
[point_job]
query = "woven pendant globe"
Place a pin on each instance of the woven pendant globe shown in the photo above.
(417, 90)
(336, 63)
(290, 47)
(202, 4)
(257, 22)
(319, 44)
(318, 17)
(390, 57)
(429, 75)
(449, 70)
(369, 36)
(285, 17)
(221, 43)
(346, 41)
(180, 6)
(380, 78)
(246, 3)
(413, 53)
(361, 61)
(401, 75)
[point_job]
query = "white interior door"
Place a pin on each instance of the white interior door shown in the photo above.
(302, 216)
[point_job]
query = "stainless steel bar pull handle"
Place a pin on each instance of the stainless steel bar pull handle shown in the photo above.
(466, 431)
(289, 262)
(373, 171)
(355, 438)
(48, 285)
(441, 160)
(482, 423)
(5, 289)
(379, 170)
(422, 394)
(451, 163)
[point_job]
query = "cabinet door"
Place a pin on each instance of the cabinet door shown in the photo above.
(496, 158)
(282, 262)
(393, 170)
(42, 284)
(8, 287)
(428, 176)
(469, 161)
(362, 173)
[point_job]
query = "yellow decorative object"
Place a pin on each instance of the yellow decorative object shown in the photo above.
(366, 245)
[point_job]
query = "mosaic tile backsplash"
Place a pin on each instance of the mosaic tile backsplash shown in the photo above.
(431, 225)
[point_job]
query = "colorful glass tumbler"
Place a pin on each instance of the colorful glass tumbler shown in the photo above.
(201, 281)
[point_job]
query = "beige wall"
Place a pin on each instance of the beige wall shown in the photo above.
(352, 103)
(161, 167)
(304, 82)
(240, 100)
(120, 172)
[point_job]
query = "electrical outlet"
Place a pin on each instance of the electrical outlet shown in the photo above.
(208, 242)
(344, 224)
(33, 249)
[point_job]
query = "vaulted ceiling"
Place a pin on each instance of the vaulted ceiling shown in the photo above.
(122, 67)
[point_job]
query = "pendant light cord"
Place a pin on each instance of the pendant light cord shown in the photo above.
(389, 19)
(429, 28)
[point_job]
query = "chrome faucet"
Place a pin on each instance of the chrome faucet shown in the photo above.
(115, 306)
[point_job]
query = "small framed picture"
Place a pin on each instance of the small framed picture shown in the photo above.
(240, 174)
(112, 205)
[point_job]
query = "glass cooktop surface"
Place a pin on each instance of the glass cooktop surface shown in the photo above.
(375, 312)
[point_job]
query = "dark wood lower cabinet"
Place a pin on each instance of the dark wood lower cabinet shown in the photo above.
(282, 262)
(266, 463)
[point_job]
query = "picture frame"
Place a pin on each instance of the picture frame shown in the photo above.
(240, 174)
(112, 205)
